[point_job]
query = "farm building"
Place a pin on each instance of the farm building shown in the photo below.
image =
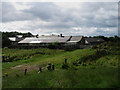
(43, 40)
(93, 41)
(16, 39)
(66, 41)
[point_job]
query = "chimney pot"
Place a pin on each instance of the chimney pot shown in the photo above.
(60, 35)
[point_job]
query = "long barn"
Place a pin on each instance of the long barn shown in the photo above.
(43, 40)
(69, 41)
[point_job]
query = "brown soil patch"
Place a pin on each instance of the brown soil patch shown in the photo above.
(30, 67)
(25, 66)
(18, 66)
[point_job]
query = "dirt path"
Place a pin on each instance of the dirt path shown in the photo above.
(24, 66)
(28, 67)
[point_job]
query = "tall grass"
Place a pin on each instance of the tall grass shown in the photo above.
(88, 68)
(23, 54)
(82, 78)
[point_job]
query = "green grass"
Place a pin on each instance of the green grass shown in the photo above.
(87, 68)
(82, 78)
(23, 54)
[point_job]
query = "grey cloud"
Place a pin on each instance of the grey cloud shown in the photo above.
(44, 11)
(93, 9)
(93, 14)
(9, 13)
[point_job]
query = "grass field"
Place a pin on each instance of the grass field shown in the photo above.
(95, 67)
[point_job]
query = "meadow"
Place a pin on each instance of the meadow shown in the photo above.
(95, 67)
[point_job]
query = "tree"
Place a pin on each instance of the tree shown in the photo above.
(5, 41)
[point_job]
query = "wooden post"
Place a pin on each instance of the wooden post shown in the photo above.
(49, 67)
(40, 69)
(3, 58)
(25, 72)
(53, 67)
(65, 61)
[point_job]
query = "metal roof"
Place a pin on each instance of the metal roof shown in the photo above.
(12, 38)
(73, 41)
(35, 41)
(75, 38)
(19, 36)
(45, 39)
(94, 39)
(17, 39)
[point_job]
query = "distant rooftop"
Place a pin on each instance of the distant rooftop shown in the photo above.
(19, 36)
(12, 38)
(94, 39)
(45, 39)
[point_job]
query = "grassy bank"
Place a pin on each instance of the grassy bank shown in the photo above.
(82, 78)
(95, 67)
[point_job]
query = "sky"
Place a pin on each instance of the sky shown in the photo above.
(68, 18)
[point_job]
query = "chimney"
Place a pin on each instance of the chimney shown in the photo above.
(37, 36)
(61, 35)
(69, 38)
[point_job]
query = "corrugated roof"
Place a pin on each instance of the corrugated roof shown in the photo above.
(12, 38)
(45, 39)
(19, 36)
(75, 38)
(16, 39)
(94, 39)
(35, 41)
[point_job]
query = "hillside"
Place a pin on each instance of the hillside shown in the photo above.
(95, 67)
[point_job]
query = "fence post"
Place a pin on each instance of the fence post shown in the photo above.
(40, 69)
(49, 67)
(25, 72)
(65, 61)
(53, 67)
(3, 58)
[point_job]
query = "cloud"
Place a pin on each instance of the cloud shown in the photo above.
(10, 13)
(94, 18)
(44, 11)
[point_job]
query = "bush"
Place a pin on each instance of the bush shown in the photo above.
(54, 45)
(65, 66)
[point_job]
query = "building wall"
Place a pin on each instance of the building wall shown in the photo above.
(82, 41)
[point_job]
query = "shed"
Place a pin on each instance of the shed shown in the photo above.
(93, 41)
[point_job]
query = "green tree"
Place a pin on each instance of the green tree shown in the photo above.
(5, 41)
